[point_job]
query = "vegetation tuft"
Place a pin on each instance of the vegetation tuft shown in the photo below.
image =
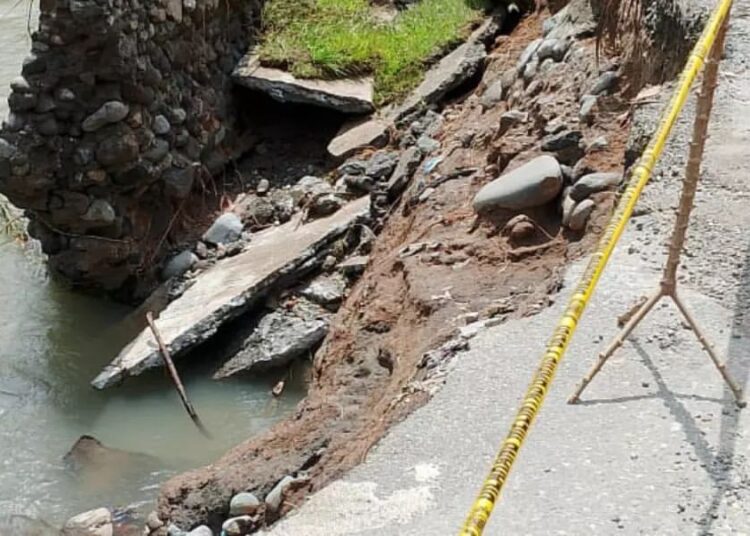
(339, 38)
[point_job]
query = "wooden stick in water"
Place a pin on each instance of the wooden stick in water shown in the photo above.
(175, 377)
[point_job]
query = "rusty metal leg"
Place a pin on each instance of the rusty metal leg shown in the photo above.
(615, 344)
(708, 347)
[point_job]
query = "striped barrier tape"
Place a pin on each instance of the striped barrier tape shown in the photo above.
(482, 508)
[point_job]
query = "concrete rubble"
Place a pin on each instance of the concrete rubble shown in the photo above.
(231, 287)
(281, 336)
(353, 96)
(362, 133)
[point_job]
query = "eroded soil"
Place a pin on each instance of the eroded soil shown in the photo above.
(434, 268)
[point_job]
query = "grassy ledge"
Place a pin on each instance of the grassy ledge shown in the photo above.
(340, 38)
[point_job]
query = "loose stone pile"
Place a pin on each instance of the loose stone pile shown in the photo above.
(247, 513)
(123, 109)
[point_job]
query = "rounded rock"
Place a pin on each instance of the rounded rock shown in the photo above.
(239, 526)
(178, 265)
(493, 95)
(203, 530)
(263, 186)
(547, 49)
(604, 83)
(110, 112)
(161, 125)
(93, 523)
(7, 150)
(178, 116)
(593, 183)
(21, 85)
(533, 184)
(586, 112)
(227, 228)
(580, 215)
(245, 503)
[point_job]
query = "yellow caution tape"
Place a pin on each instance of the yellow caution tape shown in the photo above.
(485, 503)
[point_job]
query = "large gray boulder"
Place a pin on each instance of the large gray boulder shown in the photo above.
(533, 184)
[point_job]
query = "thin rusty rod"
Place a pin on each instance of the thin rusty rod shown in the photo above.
(722, 368)
(704, 106)
(616, 343)
(175, 376)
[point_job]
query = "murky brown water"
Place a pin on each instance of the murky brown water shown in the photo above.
(53, 342)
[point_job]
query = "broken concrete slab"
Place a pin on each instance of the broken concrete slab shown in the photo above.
(453, 70)
(352, 96)
(357, 135)
(281, 336)
(231, 287)
(449, 73)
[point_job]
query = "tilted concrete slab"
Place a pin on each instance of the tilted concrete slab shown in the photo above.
(353, 95)
(359, 134)
(445, 76)
(454, 69)
(229, 288)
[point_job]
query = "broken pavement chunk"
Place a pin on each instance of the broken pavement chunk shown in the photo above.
(357, 135)
(230, 287)
(281, 336)
(352, 96)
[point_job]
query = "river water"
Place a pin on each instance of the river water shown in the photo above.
(53, 342)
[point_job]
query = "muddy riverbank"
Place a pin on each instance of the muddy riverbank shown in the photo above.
(53, 342)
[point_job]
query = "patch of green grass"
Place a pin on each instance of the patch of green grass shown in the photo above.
(339, 38)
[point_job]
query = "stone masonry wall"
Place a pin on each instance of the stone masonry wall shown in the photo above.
(123, 108)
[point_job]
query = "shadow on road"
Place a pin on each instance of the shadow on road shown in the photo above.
(739, 367)
(719, 461)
